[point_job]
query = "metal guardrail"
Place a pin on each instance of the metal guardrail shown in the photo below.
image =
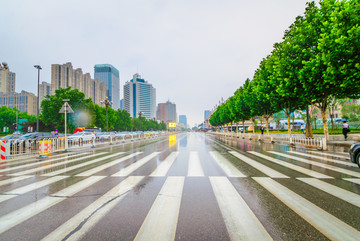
(296, 139)
(16, 148)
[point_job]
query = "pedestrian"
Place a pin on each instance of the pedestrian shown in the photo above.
(346, 129)
(262, 128)
(302, 128)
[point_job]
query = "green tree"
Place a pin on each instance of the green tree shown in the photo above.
(123, 121)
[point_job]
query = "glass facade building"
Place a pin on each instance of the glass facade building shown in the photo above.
(110, 76)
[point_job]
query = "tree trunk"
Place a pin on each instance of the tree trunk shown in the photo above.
(237, 128)
(309, 132)
(267, 125)
(253, 123)
(289, 124)
(326, 130)
(243, 126)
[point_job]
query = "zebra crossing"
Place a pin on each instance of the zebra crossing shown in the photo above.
(124, 172)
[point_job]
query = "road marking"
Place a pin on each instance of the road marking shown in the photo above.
(20, 215)
(67, 169)
(240, 221)
(331, 155)
(161, 221)
(14, 179)
(226, 165)
(107, 165)
(34, 170)
(165, 165)
(111, 199)
(131, 168)
(292, 166)
(262, 168)
(340, 193)
(195, 168)
(28, 188)
(314, 163)
(327, 224)
(353, 180)
(325, 159)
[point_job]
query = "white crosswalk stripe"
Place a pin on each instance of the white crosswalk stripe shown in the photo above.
(165, 165)
(314, 163)
(195, 169)
(262, 168)
(240, 221)
(330, 155)
(226, 165)
(324, 159)
(38, 169)
(161, 221)
(131, 168)
(67, 169)
(330, 226)
(14, 179)
(292, 166)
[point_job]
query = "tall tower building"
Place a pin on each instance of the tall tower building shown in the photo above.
(7, 80)
(110, 76)
(139, 96)
(166, 112)
(44, 89)
(61, 76)
(183, 120)
(206, 114)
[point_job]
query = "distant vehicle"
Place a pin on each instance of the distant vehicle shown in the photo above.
(37, 136)
(355, 153)
(10, 137)
(82, 136)
(104, 135)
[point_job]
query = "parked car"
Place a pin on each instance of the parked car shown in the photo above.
(355, 153)
(37, 136)
(82, 137)
(10, 137)
(102, 136)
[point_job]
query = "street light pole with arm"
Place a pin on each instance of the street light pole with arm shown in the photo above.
(38, 67)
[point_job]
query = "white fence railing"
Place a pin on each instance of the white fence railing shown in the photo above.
(296, 139)
(15, 148)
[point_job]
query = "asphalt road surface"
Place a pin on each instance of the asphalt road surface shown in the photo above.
(189, 186)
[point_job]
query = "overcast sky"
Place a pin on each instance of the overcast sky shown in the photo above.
(193, 51)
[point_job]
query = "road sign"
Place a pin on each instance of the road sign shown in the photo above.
(66, 107)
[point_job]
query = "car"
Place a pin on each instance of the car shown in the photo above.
(355, 153)
(101, 136)
(82, 137)
(37, 136)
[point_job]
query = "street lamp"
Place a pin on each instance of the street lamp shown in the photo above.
(107, 102)
(38, 67)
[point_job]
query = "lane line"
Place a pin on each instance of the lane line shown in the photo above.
(327, 224)
(107, 165)
(240, 221)
(28, 188)
(165, 165)
(292, 166)
(161, 221)
(131, 168)
(111, 199)
(67, 169)
(226, 165)
(340, 193)
(14, 179)
(314, 163)
(261, 167)
(34, 170)
(324, 159)
(195, 169)
(20, 215)
(330, 154)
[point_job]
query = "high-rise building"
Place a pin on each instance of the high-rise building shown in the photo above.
(7, 80)
(166, 112)
(63, 76)
(183, 120)
(110, 76)
(206, 114)
(121, 104)
(23, 101)
(139, 96)
(44, 90)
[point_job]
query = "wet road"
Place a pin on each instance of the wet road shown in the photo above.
(185, 187)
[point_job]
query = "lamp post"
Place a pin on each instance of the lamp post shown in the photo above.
(38, 67)
(106, 102)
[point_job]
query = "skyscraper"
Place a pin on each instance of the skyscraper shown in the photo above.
(206, 114)
(44, 89)
(166, 112)
(110, 76)
(7, 80)
(183, 120)
(139, 96)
